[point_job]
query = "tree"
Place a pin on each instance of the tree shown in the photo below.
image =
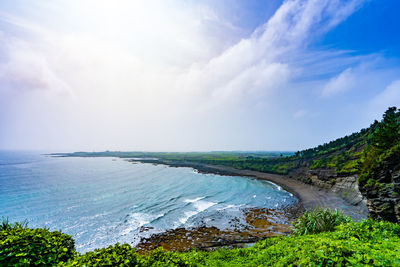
(388, 131)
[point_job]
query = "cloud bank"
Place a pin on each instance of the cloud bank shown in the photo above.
(169, 76)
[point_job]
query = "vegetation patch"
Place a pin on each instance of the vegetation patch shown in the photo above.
(384, 143)
(375, 243)
(319, 220)
(22, 246)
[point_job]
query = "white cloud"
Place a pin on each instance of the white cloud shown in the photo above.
(339, 84)
(389, 97)
(134, 67)
(27, 69)
(271, 47)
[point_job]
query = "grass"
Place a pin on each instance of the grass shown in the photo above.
(6, 225)
(319, 220)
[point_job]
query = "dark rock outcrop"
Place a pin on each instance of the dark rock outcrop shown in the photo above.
(382, 190)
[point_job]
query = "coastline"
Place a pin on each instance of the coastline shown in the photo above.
(309, 196)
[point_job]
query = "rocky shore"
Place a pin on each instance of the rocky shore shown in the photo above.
(262, 223)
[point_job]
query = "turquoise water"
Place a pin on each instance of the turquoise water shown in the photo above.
(101, 201)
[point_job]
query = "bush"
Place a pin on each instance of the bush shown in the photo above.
(369, 230)
(369, 243)
(21, 246)
(125, 255)
(372, 243)
(117, 255)
(319, 220)
(338, 248)
(6, 225)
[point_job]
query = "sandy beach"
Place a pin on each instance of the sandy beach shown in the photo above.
(309, 196)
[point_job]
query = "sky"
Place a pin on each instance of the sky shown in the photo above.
(186, 75)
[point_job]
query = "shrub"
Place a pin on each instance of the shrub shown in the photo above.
(372, 243)
(21, 246)
(369, 230)
(117, 255)
(319, 220)
(369, 243)
(336, 248)
(6, 225)
(159, 257)
(125, 255)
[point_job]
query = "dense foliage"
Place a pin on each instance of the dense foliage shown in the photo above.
(6, 225)
(387, 133)
(22, 246)
(384, 143)
(366, 243)
(117, 255)
(319, 220)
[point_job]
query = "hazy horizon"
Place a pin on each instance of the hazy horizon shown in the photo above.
(265, 75)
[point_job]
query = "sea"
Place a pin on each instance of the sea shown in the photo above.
(102, 201)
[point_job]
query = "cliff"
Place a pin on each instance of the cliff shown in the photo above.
(363, 168)
(344, 185)
(382, 187)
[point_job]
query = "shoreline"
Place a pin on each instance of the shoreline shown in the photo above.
(308, 196)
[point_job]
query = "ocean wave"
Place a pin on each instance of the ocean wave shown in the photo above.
(203, 205)
(279, 188)
(230, 206)
(137, 220)
(193, 200)
(200, 206)
(188, 214)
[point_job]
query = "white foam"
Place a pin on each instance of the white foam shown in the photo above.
(203, 205)
(230, 206)
(199, 205)
(275, 185)
(188, 214)
(137, 220)
(193, 200)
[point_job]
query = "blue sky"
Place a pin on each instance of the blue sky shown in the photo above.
(194, 75)
(374, 28)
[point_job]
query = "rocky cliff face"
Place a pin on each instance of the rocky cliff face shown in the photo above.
(380, 194)
(345, 186)
(382, 190)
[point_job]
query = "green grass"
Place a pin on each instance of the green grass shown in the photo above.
(366, 243)
(6, 225)
(319, 220)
